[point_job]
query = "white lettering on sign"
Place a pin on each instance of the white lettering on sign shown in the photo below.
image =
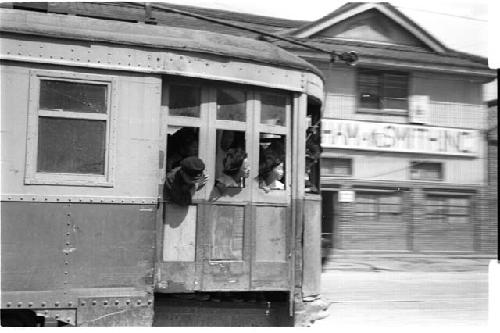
(359, 135)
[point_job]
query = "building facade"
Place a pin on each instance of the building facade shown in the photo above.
(404, 151)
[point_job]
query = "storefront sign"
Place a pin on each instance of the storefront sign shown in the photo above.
(346, 196)
(359, 135)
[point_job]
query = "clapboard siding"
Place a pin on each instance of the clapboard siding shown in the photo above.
(454, 102)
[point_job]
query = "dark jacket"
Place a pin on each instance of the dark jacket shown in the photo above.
(176, 190)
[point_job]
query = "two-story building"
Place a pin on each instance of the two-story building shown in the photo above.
(404, 150)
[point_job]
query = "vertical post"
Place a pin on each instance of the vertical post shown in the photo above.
(298, 155)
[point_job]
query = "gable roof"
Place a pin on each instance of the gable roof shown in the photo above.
(352, 9)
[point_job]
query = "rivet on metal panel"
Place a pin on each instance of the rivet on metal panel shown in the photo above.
(57, 316)
(127, 302)
(9, 304)
(83, 303)
(21, 198)
(33, 198)
(66, 273)
(43, 304)
(10, 198)
(94, 302)
(105, 302)
(19, 304)
(117, 302)
(139, 302)
(67, 243)
(30, 304)
(150, 301)
(56, 303)
(70, 303)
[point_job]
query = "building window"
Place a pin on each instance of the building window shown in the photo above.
(341, 167)
(380, 90)
(69, 130)
(426, 171)
(448, 209)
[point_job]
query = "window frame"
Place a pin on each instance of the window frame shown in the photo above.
(351, 167)
(412, 169)
(34, 177)
(381, 75)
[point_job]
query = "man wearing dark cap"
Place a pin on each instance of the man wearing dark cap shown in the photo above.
(182, 182)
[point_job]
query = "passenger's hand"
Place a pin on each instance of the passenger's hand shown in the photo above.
(201, 181)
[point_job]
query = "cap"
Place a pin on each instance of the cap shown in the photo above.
(193, 166)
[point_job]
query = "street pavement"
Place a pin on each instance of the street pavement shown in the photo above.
(375, 299)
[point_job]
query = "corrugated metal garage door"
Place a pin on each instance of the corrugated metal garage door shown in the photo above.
(377, 224)
(447, 225)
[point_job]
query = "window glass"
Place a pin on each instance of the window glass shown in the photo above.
(448, 209)
(273, 109)
(369, 90)
(426, 171)
(184, 101)
(71, 145)
(182, 142)
(73, 96)
(272, 157)
(336, 166)
(231, 168)
(231, 104)
(382, 90)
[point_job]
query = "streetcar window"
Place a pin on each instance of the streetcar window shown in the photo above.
(313, 149)
(71, 145)
(73, 96)
(184, 100)
(231, 104)
(72, 124)
(272, 159)
(182, 142)
(273, 109)
(231, 159)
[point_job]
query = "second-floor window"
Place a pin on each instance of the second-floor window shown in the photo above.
(382, 90)
(426, 171)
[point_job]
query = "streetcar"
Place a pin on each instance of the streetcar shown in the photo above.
(96, 114)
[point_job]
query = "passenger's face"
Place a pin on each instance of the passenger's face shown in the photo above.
(278, 171)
